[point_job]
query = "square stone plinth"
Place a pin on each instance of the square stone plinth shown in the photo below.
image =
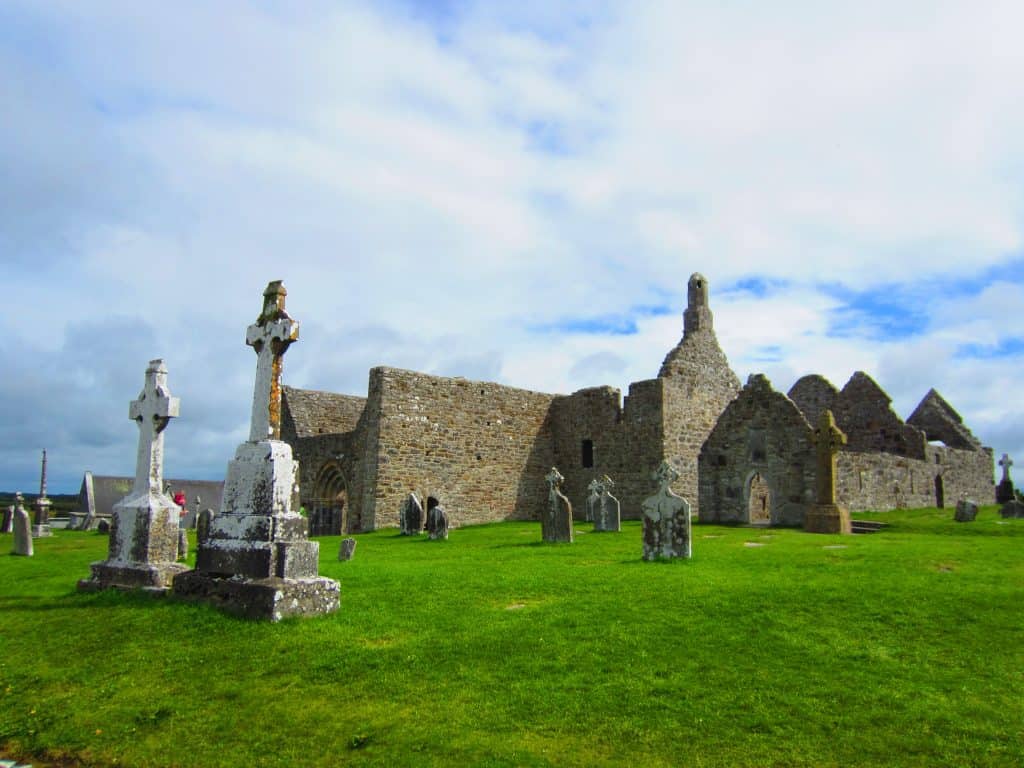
(269, 599)
(827, 518)
(150, 577)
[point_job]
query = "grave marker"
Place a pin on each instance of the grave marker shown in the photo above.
(410, 516)
(556, 519)
(42, 523)
(144, 532)
(1004, 491)
(607, 511)
(826, 516)
(666, 519)
(22, 528)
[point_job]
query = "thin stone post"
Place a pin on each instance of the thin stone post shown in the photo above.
(42, 522)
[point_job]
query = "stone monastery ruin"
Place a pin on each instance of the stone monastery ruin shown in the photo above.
(743, 454)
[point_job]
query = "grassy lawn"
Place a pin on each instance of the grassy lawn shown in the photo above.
(904, 647)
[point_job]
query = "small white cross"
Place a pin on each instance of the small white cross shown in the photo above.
(152, 411)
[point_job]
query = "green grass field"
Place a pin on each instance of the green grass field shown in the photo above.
(905, 647)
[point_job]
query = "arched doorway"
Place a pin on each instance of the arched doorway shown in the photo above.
(759, 500)
(330, 501)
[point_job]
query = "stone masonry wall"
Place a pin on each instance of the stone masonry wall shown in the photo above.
(879, 481)
(481, 448)
(863, 412)
(761, 432)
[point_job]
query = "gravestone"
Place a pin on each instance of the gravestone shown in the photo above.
(593, 499)
(437, 523)
(410, 517)
(826, 516)
(666, 519)
(556, 519)
(203, 525)
(255, 559)
(1012, 509)
(42, 523)
(1004, 491)
(347, 549)
(7, 525)
(144, 530)
(182, 543)
(22, 528)
(966, 511)
(607, 512)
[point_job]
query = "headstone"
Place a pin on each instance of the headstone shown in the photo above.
(607, 512)
(1004, 491)
(203, 525)
(22, 528)
(255, 559)
(103, 526)
(593, 499)
(410, 517)
(347, 550)
(1012, 509)
(666, 519)
(827, 516)
(90, 502)
(7, 525)
(144, 532)
(437, 524)
(182, 543)
(556, 519)
(966, 511)
(42, 523)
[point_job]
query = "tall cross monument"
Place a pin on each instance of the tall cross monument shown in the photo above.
(254, 558)
(1004, 491)
(42, 524)
(826, 515)
(144, 534)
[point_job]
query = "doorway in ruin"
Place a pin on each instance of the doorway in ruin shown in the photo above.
(940, 492)
(759, 500)
(329, 512)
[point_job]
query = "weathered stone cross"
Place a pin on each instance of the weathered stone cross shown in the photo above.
(1006, 462)
(665, 475)
(271, 335)
(828, 439)
(152, 411)
(554, 478)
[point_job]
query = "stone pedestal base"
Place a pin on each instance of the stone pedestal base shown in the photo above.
(149, 577)
(41, 531)
(1004, 492)
(270, 599)
(827, 518)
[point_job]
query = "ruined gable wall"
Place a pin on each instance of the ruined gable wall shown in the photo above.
(481, 448)
(761, 431)
(863, 412)
(813, 394)
(308, 412)
(880, 481)
(699, 384)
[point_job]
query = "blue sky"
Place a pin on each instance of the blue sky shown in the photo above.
(513, 194)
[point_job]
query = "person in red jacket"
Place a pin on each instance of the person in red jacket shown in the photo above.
(179, 499)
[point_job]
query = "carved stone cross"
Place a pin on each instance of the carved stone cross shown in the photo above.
(152, 411)
(665, 475)
(828, 439)
(554, 478)
(1006, 462)
(271, 335)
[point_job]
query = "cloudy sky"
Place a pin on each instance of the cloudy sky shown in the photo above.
(514, 192)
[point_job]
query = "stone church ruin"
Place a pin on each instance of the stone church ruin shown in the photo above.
(742, 453)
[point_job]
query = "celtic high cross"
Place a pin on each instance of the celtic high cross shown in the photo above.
(152, 411)
(271, 335)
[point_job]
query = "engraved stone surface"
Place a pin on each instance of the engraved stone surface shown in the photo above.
(254, 558)
(666, 519)
(144, 532)
(437, 524)
(410, 517)
(556, 519)
(347, 550)
(607, 515)
(966, 511)
(22, 528)
(826, 516)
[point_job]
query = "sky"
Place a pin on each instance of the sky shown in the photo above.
(513, 192)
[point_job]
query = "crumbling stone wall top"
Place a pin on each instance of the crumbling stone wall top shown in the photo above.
(308, 412)
(863, 411)
(937, 419)
(812, 395)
